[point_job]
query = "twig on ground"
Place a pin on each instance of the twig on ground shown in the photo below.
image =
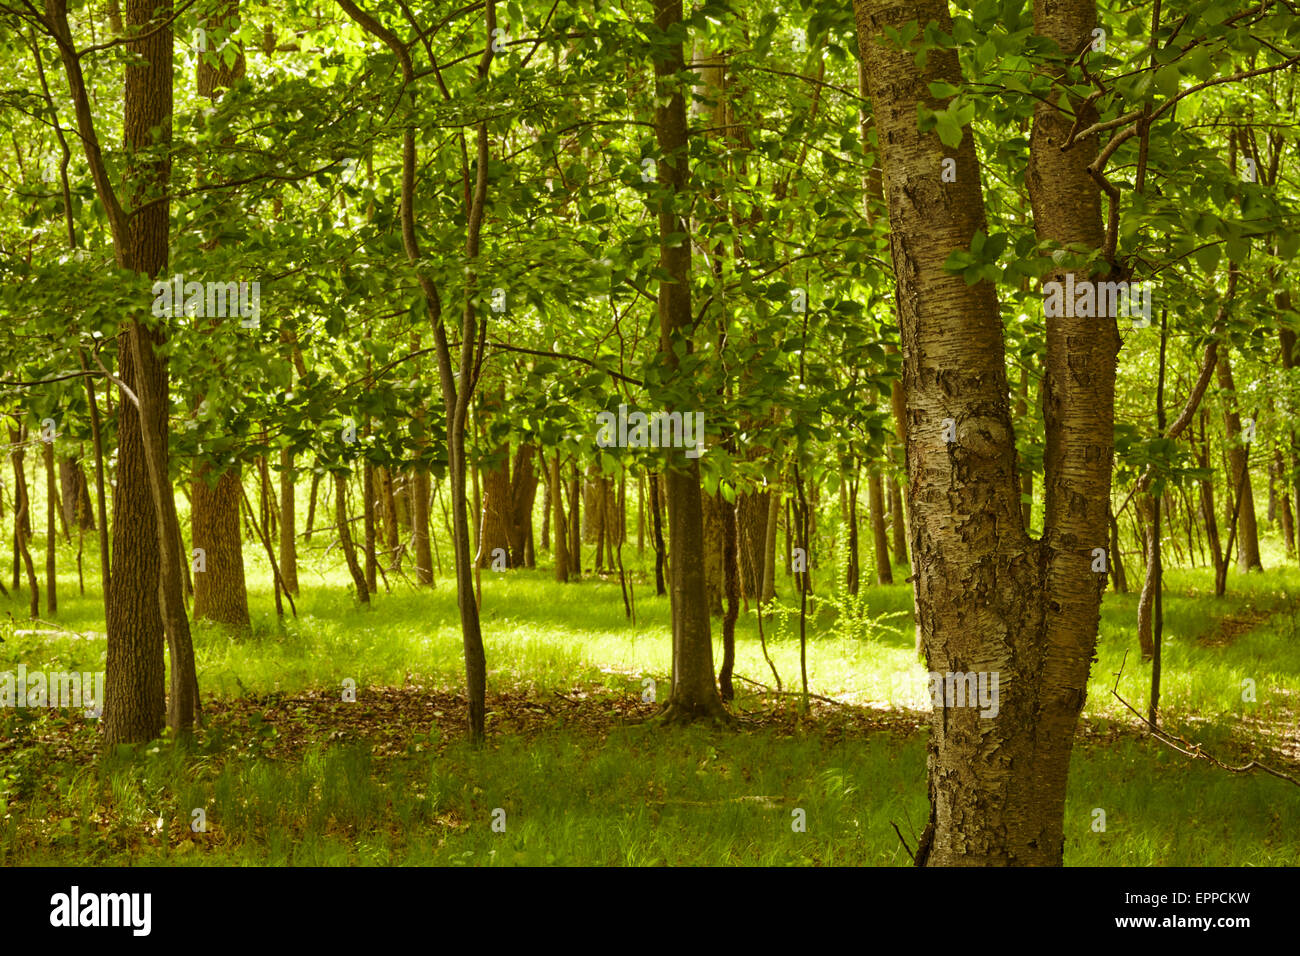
(1189, 749)
(902, 841)
(790, 693)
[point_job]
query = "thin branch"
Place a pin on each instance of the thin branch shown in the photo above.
(1189, 749)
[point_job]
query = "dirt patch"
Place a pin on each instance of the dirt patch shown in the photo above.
(1234, 626)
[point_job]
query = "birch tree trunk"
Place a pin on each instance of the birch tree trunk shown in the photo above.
(991, 600)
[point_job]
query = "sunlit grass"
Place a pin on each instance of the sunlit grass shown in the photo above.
(639, 795)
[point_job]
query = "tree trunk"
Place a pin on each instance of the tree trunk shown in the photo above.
(1247, 531)
(134, 698)
(388, 502)
(97, 440)
(494, 519)
(1284, 504)
(420, 527)
(640, 514)
(1146, 601)
(220, 587)
(1118, 576)
(731, 572)
(769, 546)
(547, 507)
(751, 520)
(714, 567)
(152, 394)
(22, 520)
(345, 537)
(694, 687)
(288, 523)
(51, 537)
(523, 495)
(369, 525)
(77, 507)
(879, 536)
(311, 505)
(1208, 515)
(456, 381)
(1026, 472)
(557, 504)
(852, 573)
(144, 537)
(575, 521)
(1287, 338)
(657, 534)
(983, 588)
(896, 517)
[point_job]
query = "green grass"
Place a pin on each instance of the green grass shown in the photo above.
(638, 797)
(636, 794)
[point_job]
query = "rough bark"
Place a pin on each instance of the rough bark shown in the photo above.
(142, 466)
(694, 687)
(494, 519)
(990, 599)
(523, 495)
(751, 523)
(77, 507)
(220, 591)
(288, 523)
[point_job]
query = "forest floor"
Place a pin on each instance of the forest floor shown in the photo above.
(576, 771)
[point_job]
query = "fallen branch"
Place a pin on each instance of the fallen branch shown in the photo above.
(791, 693)
(1189, 749)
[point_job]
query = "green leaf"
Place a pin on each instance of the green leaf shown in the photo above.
(949, 130)
(1207, 257)
(1167, 79)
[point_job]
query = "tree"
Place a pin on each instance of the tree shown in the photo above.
(146, 532)
(989, 598)
(694, 690)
